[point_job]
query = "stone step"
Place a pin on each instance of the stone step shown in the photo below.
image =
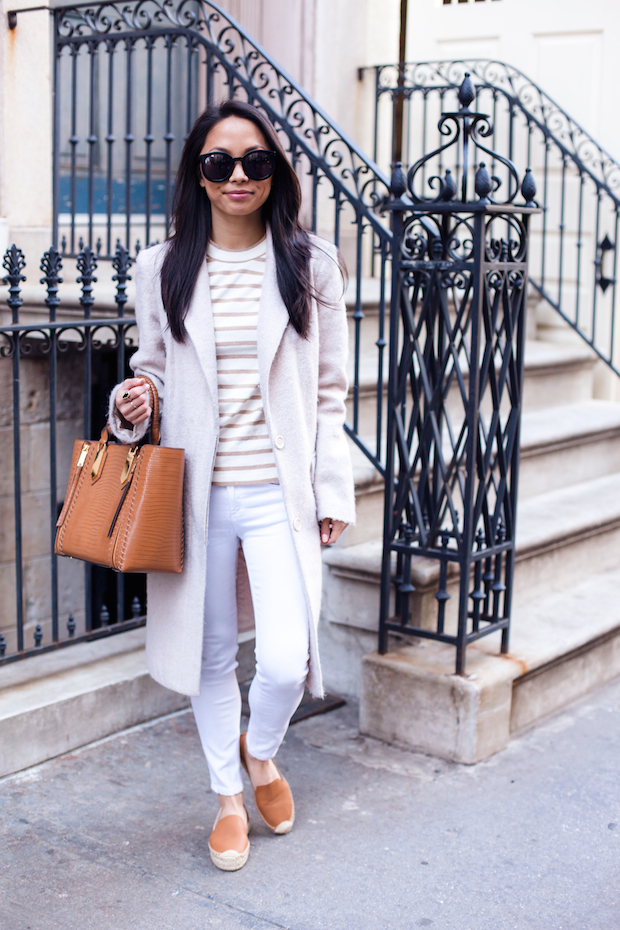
(563, 537)
(560, 446)
(555, 375)
(561, 647)
(57, 701)
(566, 445)
(368, 501)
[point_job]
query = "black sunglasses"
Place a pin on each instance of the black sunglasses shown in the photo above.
(257, 165)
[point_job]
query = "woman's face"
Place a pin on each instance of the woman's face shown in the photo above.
(238, 196)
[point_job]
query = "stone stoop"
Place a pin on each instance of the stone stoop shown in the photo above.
(58, 701)
(561, 648)
(565, 630)
(563, 538)
(561, 424)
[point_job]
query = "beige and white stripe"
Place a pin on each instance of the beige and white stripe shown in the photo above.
(244, 453)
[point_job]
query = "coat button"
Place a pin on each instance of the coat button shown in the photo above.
(279, 441)
(297, 524)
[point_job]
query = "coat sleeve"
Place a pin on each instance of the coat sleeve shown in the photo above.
(150, 359)
(333, 475)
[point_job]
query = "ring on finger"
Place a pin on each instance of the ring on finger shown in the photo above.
(127, 396)
(133, 405)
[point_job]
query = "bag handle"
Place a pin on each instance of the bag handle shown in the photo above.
(155, 420)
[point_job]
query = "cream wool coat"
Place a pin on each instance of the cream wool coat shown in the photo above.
(303, 386)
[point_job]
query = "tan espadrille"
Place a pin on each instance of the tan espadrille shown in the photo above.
(229, 845)
(274, 802)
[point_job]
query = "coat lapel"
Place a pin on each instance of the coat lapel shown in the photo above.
(199, 323)
(272, 319)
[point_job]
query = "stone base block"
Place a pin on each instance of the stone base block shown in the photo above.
(413, 698)
(67, 707)
(58, 701)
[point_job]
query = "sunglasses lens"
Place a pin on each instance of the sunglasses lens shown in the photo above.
(259, 165)
(217, 166)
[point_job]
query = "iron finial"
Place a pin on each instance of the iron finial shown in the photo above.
(528, 188)
(449, 186)
(467, 92)
(398, 183)
(14, 263)
(121, 263)
(51, 266)
(484, 184)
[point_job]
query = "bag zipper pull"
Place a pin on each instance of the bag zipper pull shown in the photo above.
(83, 454)
(94, 472)
(129, 463)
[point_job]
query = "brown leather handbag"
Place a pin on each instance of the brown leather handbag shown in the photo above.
(124, 504)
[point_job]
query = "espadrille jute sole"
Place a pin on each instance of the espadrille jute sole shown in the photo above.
(283, 827)
(229, 860)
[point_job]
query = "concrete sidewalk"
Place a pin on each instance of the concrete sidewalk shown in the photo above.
(114, 836)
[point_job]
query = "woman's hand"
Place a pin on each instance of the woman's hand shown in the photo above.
(331, 530)
(133, 401)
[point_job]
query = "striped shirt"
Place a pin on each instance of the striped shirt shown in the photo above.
(244, 453)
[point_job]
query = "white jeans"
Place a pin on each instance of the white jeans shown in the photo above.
(254, 514)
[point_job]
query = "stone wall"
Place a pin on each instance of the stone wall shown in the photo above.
(35, 498)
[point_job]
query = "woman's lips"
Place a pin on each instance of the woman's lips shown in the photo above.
(238, 195)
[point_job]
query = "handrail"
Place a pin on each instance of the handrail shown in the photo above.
(548, 115)
(247, 63)
(578, 180)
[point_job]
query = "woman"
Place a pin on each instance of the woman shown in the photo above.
(243, 330)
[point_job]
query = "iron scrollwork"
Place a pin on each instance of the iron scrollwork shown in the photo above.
(571, 271)
(245, 70)
(464, 128)
(454, 401)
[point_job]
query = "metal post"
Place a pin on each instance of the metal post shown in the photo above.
(456, 356)
(397, 189)
(14, 263)
(471, 467)
(399, 97)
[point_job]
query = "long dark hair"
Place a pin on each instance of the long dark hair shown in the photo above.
(191, 218)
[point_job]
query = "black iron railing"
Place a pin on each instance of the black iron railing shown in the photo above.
(130, 80)
(573, 263)
(61, 366)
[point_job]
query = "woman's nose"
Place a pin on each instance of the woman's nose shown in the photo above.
(238, 172)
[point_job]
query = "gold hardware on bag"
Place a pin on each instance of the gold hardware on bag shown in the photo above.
(98, 460)
(129, 463)
(83, 454)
